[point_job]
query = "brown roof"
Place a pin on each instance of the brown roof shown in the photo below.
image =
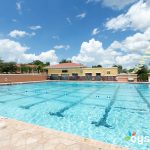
(67, 65)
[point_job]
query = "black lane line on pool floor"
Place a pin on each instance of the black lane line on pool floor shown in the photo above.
(144, 99)
(103, 120)
(45, 100)
(131, 109)
(60, 112)
(20, 94)
(23, 96)
(40, 102)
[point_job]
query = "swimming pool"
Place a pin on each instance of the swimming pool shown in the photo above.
(106, 112)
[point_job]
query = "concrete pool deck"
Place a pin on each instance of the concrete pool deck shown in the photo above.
(17, 135)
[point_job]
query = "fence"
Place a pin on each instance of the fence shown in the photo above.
(9, 78)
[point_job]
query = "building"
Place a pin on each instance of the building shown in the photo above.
(149, 77)
(124, 77)
(74, 71)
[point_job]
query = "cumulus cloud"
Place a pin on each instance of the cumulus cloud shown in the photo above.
(95, 31)
(114, 4)
(137, 43)
(93, 53)
(136, 18)
(127, 53)
(128, 60)
(14, 51)
(20, 34)
(35, 27)
(81, 16)
(66, 47)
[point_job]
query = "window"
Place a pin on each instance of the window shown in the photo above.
(64, 71)
(98, 74)
(108, 72)
(88, 74)
(54, 77)
(74, 74)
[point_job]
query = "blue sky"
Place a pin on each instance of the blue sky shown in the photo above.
(81, 30)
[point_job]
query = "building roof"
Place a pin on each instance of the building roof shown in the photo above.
(67, 65)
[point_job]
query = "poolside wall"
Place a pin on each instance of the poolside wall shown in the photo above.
(8, 78)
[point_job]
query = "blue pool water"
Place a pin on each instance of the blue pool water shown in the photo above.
(101, 111)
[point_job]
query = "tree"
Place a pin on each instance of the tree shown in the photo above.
(120, 68)
(37, 62)
(1, 65)
(9, 67)
(142, 73)
(124, 71)
(24, 69)
(131, 70)
(39, 68)
(30, 69)
(98, 66)
(39, 65)
(47, 63)
(65, 61)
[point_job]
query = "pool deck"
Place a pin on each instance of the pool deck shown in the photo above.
(17, 135)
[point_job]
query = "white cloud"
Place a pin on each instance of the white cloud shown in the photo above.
(95, 1)
(136, 43)
(20, 34)
(95, 31)
(127, 53)
(66, 47)
(114, 4)
(137, 18)
(81, 16)
(14, 51)
(19, 7)
(35, 27)
(118, 4)
(69, 20)
(128, 60)
(93, 53)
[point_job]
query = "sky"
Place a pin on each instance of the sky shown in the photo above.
(89, 32)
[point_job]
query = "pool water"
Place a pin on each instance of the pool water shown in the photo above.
(106, 112)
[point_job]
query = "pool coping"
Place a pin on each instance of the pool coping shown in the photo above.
(14, 83)
(60, 138)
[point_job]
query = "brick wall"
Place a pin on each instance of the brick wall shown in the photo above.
(7, 78)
